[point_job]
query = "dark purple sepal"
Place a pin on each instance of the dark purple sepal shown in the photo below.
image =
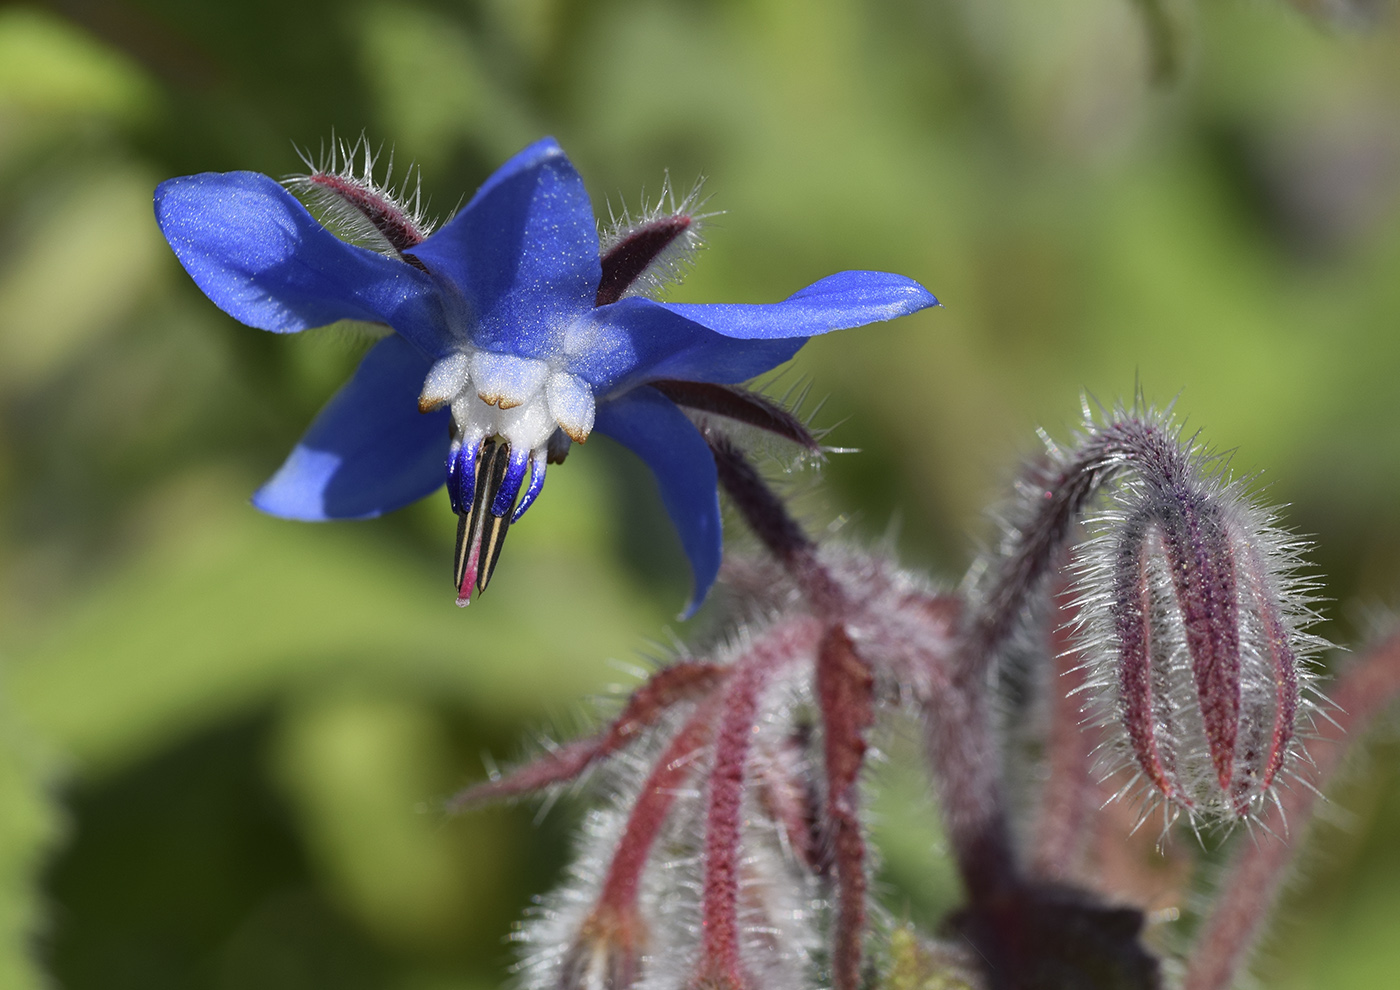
(738, 404)
(627, 260)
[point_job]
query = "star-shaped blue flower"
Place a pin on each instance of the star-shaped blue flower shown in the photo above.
(514, 335)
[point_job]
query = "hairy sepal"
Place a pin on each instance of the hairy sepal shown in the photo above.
(341, 188)
(643, 255)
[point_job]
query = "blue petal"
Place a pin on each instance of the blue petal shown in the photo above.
(369, 450)
(637, 340)
(264, 260)
(660, 434)
(524, 253)
(837, 302)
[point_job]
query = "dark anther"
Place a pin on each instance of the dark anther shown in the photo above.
(481, 533)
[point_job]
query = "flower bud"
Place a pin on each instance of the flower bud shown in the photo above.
(1194, 619)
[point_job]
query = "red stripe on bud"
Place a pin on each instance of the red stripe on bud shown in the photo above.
(342, 189)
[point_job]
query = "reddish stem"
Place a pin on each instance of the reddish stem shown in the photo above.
(1070, 795)
(771, 523)
(788, 794)
(845, 690)
(613, 937)
(720, 962)
(1252, 883)
(679, 682)
(653, 805)
(966, 766)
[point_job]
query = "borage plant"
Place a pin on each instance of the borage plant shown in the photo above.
(1157, 608)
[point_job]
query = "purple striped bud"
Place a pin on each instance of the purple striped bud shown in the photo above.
(1194, 618)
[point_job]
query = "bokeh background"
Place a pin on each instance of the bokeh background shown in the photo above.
(224, 738)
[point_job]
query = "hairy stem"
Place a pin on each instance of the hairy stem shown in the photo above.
(768, 517)
(845, 689)
(681, 681)
(653, 805)
(1070, 797)
(610, 944)
(1065, 485)
(788, 795)
(720, 962)
(965, 762)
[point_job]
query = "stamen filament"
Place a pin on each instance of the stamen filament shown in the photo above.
(538, 463)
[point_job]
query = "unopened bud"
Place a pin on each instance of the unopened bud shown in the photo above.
(1195, 618)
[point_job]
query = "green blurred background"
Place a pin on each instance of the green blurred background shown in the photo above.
(224, 737)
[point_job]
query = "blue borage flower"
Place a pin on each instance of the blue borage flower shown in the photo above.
(514, 336)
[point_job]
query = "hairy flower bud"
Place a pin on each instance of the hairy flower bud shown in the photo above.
(1194, 621)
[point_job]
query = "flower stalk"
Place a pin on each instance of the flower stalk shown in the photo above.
(845, 690)
(1165, 608)
(721, 955)
(607, 951)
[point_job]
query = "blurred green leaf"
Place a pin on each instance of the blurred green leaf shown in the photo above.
(226, 607)
(366, 775)
(30, 825)
(432, 90)
(50, 66)
(100, 226)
